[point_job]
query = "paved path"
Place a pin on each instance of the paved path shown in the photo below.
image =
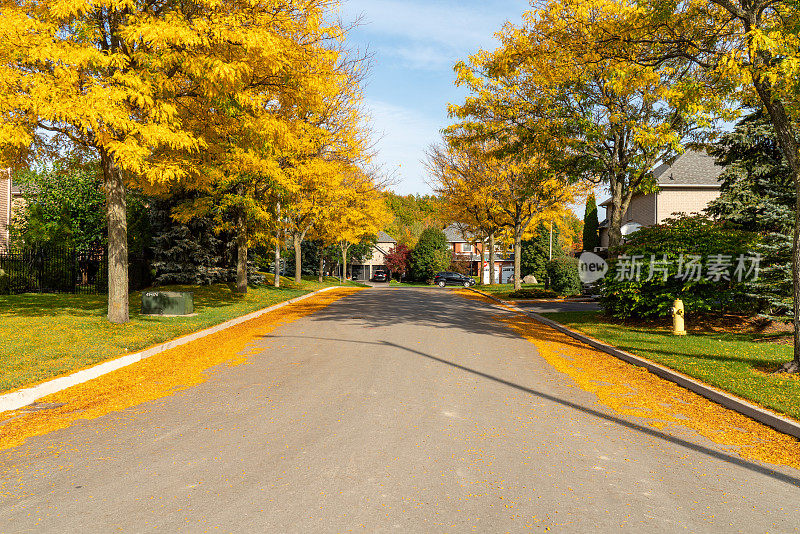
(389, 411)
(555, 306)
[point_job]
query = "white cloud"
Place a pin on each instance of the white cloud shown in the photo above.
(421, 57)
(451, 24)
(452, 28)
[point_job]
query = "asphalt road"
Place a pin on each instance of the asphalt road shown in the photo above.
(390, 411)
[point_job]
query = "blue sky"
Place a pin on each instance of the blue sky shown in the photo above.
(414, 46)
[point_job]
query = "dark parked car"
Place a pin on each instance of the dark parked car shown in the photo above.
(380, 276)
(453, 279)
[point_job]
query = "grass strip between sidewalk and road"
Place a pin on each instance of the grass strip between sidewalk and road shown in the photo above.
(733, 362)
(47, 335)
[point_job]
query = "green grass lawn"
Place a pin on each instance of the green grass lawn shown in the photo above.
(45, 335)
(501, 291)
(395, 283)
(733, 362)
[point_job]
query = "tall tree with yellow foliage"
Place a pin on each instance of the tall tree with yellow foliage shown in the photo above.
(267, 138)
(337, 139)
(739, 51)
(117, 78)
(466, 184)
(519, 183)
(357, 213)
(618, 118)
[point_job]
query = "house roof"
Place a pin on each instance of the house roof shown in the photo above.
(454, 234)
(383, 237)
(690, 168)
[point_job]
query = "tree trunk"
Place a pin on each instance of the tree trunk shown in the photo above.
(620, 201)
(480, 263)
(116, 218)
(298, 260)
(491, 260)
(241, 256)
(344, 264)
(517, 258)
(321, 262)
(788, 143)
(277, 270)
(277, 276)
(794, 365)
(615, 216)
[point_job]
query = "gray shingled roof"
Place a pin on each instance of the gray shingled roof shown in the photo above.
(453, 234)
(383, 237)
(690, 168)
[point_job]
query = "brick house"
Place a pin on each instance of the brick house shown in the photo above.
(687, 185)
(465, 248)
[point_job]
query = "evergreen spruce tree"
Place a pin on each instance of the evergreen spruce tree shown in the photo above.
(591, 237)
(535, 253)
(192, 253)
(185, 253)
(758, 195)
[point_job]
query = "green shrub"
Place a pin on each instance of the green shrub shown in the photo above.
(658, 253)
(16, 282)
(430, 256)
(564, 278)
(532, 293)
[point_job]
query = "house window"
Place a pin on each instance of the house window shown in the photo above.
(466, 249)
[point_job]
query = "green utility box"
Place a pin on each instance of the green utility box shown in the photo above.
(167, 303)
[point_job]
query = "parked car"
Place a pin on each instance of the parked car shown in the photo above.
(453, 279)
(380, 276)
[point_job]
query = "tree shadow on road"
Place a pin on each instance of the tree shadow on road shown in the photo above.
(430, 308)
(719, 455)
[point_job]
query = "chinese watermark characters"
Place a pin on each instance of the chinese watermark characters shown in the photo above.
(689, 267)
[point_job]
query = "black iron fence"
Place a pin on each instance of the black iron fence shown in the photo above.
(63, 270)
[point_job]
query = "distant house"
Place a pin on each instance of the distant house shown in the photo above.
(366, 269)
(8, 194)
(685, 186)
(464, 247)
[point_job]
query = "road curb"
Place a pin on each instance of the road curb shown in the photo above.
(24, 397)
(762, 415)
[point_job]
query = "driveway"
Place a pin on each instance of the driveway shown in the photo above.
(388, 411)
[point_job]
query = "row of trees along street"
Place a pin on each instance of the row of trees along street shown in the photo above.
(601, 91)
(248, 114)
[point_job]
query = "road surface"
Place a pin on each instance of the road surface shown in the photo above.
(395, 410)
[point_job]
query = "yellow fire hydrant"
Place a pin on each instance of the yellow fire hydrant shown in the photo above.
(677, 318)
